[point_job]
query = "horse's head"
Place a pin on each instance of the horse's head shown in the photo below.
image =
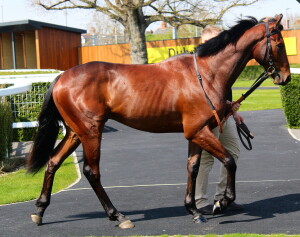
(270, 51)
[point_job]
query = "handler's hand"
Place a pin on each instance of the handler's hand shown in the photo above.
(235, 106)
(238, 118)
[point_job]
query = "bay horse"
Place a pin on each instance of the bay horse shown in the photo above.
(161, 98)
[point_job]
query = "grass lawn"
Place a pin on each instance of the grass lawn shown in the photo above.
(266, 83)
(20, 186)
(259, 99)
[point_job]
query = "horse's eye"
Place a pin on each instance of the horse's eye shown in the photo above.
(280, 46)
(280, 27)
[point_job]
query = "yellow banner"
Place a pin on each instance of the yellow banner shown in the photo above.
(158, 54)
(290, 45)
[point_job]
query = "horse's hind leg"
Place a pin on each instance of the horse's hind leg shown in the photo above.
(69, 143)
(91, 147)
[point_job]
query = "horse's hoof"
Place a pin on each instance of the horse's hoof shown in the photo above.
(199, 219)
(217, 209)
(36, 219)
(126, 224)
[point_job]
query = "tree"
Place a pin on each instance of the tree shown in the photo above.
(137, 15)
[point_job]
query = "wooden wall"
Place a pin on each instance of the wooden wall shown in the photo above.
(19, 49)
(120, 53)
(30, 49)
(57, 49)
(24, 50)
(6, 51)
(173, 42)
(116, 53)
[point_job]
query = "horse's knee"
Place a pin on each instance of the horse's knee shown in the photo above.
(230, 164)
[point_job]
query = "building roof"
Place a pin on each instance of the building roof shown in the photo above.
(33, 25)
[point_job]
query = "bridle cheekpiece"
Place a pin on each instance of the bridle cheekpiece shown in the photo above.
(271, 69)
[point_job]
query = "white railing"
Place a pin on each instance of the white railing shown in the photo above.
(15, 89)
(295, 70)
(22, 84)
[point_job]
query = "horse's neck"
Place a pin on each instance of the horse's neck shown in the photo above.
(228, 64)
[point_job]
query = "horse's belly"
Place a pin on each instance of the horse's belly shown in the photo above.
(163, 124)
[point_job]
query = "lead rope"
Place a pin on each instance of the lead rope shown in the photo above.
(256, 84)
(220, 125)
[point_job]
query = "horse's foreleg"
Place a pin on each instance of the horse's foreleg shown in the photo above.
(91, 169)
(192, 168)
(207, 141)
(61, 152)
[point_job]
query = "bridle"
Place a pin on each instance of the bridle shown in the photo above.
(271, 69)
(266, 74)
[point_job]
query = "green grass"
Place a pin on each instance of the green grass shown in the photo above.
(295, 65)
(20, 186)
(259, 99)
(266, 83)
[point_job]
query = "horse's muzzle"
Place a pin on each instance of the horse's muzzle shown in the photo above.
(287, 80)
(277, 80)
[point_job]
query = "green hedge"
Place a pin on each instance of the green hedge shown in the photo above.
(290, 95)
(6, 119)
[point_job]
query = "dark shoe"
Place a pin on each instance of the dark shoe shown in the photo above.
(207, 210)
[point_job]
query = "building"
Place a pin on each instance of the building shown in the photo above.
(32, 44)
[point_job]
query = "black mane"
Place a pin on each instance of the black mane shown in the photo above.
(226, 37)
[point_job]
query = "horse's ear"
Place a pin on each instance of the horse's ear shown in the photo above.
(278, 19)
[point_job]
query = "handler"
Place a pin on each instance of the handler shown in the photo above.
(228, 139)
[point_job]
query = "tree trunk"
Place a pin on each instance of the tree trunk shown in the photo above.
(136, 28)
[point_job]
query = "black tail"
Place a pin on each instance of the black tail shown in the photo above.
(47, 133)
